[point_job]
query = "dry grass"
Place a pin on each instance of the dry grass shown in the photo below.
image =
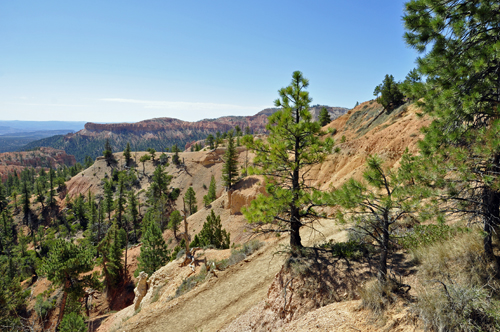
(458, 288)
(377, 297)
(460, 258)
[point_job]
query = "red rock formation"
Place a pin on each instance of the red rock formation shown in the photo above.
(43, 157)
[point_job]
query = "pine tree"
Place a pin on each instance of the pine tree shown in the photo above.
(175, 158)
(154, 252)
(143, 160)
(120, 202)
(3, 198)
(112, 255)
(159, 196)
(230, 168)
(108, 153)
(175, 221)
(190, 199)
(127, 154)
(12, 300)
(13, 196)
(133, 213)
(95, 228)
(40, 193)
(210, 141)
(212, 233)
(88, 162)
(152, 153)
(324, 117)
(212, 192)
(377, 204)
(51, 192)
(390, 95)
(292, 148)
(461, 65)
(65, 264)
(412, 85)
(108, 198)
(73, 322)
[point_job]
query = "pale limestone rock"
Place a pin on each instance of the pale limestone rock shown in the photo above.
(141, 289)
(157, 280)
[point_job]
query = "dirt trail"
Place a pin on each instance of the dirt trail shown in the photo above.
(219, 301)
(216, 302)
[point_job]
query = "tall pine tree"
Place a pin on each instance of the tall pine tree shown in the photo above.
(154, 252)
(292, 148)
(212, 192)
(190, 199)
(65, 264)
(230, 168)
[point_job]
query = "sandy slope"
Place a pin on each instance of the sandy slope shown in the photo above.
(219, 301)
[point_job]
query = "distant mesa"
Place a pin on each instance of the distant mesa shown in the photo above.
(158, 133)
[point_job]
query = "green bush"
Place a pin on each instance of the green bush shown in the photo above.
(349, 250)
(425, 235)
(42, 307)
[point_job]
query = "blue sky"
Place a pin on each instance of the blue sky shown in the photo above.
(125, 61)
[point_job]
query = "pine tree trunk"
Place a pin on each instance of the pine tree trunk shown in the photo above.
(67, 284)
(491, 206)
(295, 240)
(295, 224)
(382, 268)
(491, 215)
(126, 251)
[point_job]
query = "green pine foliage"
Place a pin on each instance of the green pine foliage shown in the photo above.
(160, 197)
(324, 117)
(12, 301)
(175, 221)
(127, 154)
(120, 202)
(152, 153)
(175, 158)
(154, 252)
(108, 198)
(108, 153)
(190, 199)
(209, 141)
(230, 168)
(458, 41)
(111, 257)
(143, 160)
(65, 264)
(377, 204)
(212, 234)
(412, 85)
(133, 213)
(73, 322)
(212, 192)
(391, 96)
(292, 148)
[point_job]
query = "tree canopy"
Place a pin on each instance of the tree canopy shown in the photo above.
(390, 94)
(459, 42)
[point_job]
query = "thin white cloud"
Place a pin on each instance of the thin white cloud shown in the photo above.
(55, 104)
(181, 105)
